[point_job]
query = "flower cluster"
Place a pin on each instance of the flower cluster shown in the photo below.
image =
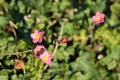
(98, 18)
(39, 51)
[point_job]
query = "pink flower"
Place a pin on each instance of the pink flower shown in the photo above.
(37, 36)
(39, 50)
(98, 18)
(46, 58)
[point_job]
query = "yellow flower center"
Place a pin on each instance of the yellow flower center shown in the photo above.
(45, 58)
(98, 18)
(37, 36)
(38, 50)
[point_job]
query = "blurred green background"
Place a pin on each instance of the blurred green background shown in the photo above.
(84, 57)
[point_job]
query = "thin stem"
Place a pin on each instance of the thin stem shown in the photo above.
(1, 65)
(61, 31)
(45, 67)
(19, 52)
(57, 44)
(90, 31)
(13, 27)
(60, 35)
(13, 24)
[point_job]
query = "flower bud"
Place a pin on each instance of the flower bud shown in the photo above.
(64, 40)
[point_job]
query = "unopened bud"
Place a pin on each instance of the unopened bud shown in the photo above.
(64, 40)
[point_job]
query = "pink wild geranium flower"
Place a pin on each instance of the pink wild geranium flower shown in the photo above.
(39, 50)
(98, 18)
(37, 36)
(46, 58)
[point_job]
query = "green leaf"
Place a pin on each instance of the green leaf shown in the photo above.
(40, 26)
(116, 52)
(84, 62)
(21, 6)
(22, 45)
(63, 5)
(112, 65)
(115, 8)
(3, 77)
(68, 29)
(3, 21)
(113, 21)
(78, 76)
(29, 23)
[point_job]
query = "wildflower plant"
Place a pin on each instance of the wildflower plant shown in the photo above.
(59, 40)
(39, 51)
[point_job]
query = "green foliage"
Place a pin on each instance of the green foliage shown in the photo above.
(85, 57)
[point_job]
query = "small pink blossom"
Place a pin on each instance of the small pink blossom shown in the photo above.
(39, 50)
(46, 58)
(98, 18)
(37, 36)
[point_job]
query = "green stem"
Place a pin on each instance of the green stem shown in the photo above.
(57, 43)
(17, 53)
(90, 31)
